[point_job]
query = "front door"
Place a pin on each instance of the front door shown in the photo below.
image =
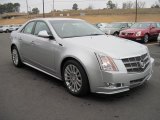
(43, 49)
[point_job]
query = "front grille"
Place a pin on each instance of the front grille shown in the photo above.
(136, 64)
(130, 33)
(127, 34)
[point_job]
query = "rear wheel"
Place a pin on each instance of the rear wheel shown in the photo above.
(146, 38)
(7, 31)
(16, 57)
(75, 78)
(116, 34)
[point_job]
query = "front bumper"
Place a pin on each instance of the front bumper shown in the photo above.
(134, 38)
(120, 82)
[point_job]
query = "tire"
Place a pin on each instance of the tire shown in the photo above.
(16, 57)
(116, 34)
(7, 31)
(75, 78)
(146, 38)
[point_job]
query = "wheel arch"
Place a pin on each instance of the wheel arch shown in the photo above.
(71, 58)
(77, 60)
(12, 46)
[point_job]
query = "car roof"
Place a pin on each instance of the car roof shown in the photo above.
(48, 19)
(122, 22)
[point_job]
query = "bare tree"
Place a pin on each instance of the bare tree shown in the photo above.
(90, 7)
(141, 4)
(127, 5)
(124, 5)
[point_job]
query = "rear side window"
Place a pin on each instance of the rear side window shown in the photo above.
(28, 28)
(154, 25)
(40, 26)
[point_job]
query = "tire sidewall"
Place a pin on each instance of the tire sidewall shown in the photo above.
(116, 34)
(144, 41)
(19, 64)
(84, 90)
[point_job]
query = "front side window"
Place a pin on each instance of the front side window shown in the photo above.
(141, 25)
(28, 28)
(40, 26)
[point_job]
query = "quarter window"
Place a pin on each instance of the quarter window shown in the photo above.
(40, 26)
(28, 28)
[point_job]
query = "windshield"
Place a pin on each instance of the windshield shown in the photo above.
(115, 25)
(140, 25)
(74, 28)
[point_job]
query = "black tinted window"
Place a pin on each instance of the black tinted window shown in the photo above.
(28, 28)
(125, 25)
(40, 26)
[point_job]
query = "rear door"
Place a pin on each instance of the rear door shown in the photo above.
(26, 38)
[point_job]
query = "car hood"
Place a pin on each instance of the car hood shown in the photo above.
(133, 30)
(114, 47)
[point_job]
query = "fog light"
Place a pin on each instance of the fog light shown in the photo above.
(114, 84)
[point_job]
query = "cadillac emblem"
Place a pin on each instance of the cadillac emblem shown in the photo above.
(142, 64)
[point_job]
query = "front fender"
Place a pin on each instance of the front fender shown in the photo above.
(87, 59)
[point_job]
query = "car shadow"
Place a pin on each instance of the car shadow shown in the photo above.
(92, 96)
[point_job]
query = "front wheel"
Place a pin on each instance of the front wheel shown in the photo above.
(16, 57)
(75, 78)
(146, 38)
(116, 34)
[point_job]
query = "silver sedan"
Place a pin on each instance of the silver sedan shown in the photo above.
(82, 56)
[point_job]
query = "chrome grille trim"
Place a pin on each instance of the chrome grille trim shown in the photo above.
(136, 64)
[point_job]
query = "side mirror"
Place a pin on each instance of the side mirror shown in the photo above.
(44, 34)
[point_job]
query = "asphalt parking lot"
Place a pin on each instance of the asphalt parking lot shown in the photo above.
(27, 94)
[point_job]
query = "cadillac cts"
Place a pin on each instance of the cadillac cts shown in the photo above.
(82, 56)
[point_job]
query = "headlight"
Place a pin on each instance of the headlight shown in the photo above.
(138, 33)
(106, 63)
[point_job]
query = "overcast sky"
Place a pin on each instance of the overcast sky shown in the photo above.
(67, 4)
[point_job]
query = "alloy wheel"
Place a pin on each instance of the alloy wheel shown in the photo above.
(146, 38)
(73, 78)
(15, 56)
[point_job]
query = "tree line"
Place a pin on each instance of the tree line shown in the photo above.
(15, 7)
(9, 7)
(125, 5)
